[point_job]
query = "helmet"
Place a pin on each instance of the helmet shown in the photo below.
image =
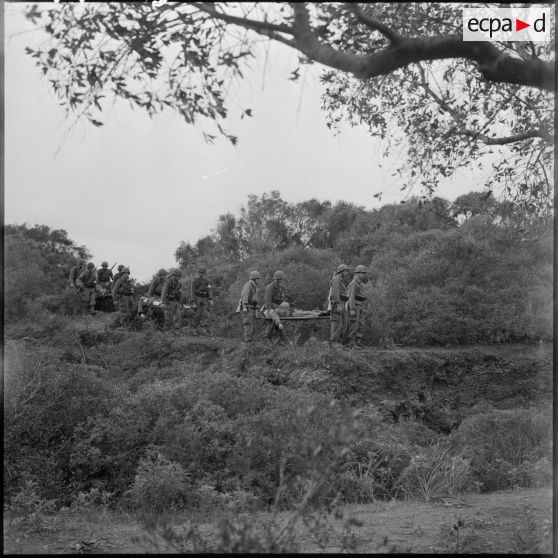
(361, 269)
(90, 265)
(126, 270)
(120, 267)
(177, 272)
(342, 268)
(202, 270)
(104, 264)
(162, 272)
(255, 275)
(278, 275)
(285, 305)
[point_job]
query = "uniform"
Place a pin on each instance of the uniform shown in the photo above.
(202, 294)
(274, 296)
(123, 293)
(170, 297)
(357, 297)
(104, 278)
(338, 314)
(74, 274)
(86, 280)
(249, 304)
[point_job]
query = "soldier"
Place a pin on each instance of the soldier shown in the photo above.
(86, 283)
(118, 274)
(75, 272)
(249, 304)
(355, 305)
(155, 290)
(156, 287)
(170, 297)
(123, 294)
(202, 294)
(338, 297)
(274, 297)
(104, 277)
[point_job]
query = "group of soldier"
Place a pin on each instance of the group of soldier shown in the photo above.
(345, 304)
(165, 288)
(345, 300)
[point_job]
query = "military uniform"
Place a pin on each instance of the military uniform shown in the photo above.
(338, 314)
(170, 297)
(123, 294)
(104, 278)
(156, 286)
(86, 280)
(274, 296)
(249, 305)
(74, 274)
(155, 290)
(202, 294)
(356, 300)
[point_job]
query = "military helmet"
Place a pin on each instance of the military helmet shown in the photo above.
(121, 267)
(126, 270)
(278, 275)
(202, 270)
(342, 268)
(104, 264)
(285, 305)
(162, 272)
(361, 269)
(255, 275)
(177, 271)
(90, 265)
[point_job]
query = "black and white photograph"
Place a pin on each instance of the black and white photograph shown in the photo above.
(278, 277)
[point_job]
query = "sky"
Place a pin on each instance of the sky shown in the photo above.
(133, 189)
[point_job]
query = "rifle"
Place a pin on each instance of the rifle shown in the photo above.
(112, 266)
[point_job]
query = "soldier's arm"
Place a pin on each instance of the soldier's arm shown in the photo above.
(79, 280)
(115, 288)
(164, 292)
(209, 291)
(268, 297)
(245, 295)
(193, 288)
(151, 288)
(335, 295)
(351, 291)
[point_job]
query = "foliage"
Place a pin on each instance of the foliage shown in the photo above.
(441, 94)
(28, 509)
(159, 485)
(507, 448)
(38, 261)
(434, 473)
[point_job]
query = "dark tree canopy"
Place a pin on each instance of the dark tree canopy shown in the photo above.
(444, 101)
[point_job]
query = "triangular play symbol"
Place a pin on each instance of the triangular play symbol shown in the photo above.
(519, 25)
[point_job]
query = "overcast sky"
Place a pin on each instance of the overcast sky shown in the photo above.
(134, 188)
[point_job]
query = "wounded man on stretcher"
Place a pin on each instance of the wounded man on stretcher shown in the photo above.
(285, 312)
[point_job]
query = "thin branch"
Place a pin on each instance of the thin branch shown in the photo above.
(374, 24)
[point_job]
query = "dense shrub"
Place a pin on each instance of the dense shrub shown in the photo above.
(507, 448)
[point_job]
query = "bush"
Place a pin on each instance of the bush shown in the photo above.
(506, 448)
(160, 485)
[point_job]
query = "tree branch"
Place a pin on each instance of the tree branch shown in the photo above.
(493, 64)
(374, 24)
(535, 133)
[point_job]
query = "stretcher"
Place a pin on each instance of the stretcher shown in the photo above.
(298, 315)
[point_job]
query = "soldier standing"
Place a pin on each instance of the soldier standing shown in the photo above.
(202, 293)
(86, 282)
(75, 273)
(355, 304)
(123, 294)
(274, 296)
(248, 305)
(338, 297)
(118, 274)
(170, 297)
(104, 277)
(156, 286)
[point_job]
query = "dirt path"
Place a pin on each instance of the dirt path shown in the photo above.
(502, 522)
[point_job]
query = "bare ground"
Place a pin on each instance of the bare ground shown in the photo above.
(499, 522)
